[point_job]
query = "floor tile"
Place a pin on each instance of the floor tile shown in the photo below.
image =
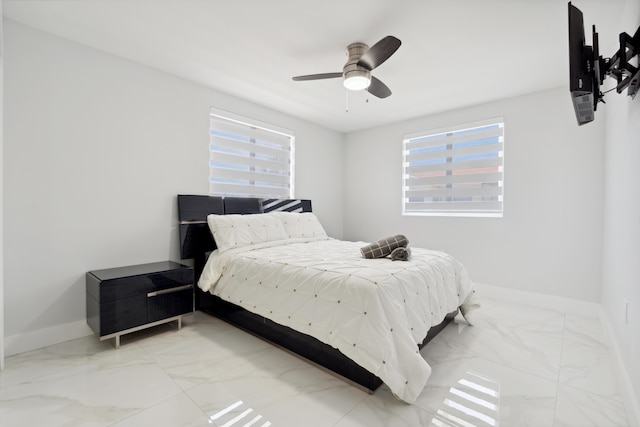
(383, 409)
(586, 360)
(85, 395)
(177, 411)
(483, 392)
(302, 395)
(576, 408)
(535, 350)
(518, 365)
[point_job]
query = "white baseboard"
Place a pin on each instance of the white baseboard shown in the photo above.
(20, 343)
(568, 305)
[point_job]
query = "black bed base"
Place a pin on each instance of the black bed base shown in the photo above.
(301, 344)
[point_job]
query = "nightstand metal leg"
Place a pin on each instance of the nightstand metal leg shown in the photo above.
(118, 334)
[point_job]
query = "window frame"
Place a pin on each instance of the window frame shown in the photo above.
(468, 149)
(266, 160)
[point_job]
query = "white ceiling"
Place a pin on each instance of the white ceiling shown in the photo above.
(454, 53)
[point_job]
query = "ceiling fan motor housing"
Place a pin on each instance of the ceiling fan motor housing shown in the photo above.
(358, 76)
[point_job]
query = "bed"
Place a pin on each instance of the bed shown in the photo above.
(273, 271)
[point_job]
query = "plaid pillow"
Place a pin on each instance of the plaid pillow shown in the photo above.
(384, 247)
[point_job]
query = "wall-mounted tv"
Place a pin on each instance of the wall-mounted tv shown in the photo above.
(587, 69)
(581, 73)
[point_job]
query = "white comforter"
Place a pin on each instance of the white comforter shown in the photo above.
(375, 311)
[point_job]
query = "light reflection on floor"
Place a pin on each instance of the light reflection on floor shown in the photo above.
(473, 402)
(237, 419)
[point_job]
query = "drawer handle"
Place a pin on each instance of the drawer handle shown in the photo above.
(170, 290)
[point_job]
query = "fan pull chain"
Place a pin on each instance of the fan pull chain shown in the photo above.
(346, 101)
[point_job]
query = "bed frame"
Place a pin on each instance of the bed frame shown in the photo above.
(196, 242)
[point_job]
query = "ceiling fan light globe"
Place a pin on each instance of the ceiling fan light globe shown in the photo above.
(357, 80)
(357, 83)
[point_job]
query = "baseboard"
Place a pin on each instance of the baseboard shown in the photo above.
(566, 305)
(623, 377)
(20, 343)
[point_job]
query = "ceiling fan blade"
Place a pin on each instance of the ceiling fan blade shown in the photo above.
(317, 76)
(379, 89)
(379, 52)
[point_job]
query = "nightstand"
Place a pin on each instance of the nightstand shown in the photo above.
(127, 299)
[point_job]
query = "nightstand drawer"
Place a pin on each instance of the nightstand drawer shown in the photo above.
(124, 287)
(123, 314)
(169, 303)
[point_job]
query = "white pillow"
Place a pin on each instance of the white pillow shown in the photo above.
(304, 224)
(235, 231)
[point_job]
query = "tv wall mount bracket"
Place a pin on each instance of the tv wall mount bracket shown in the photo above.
(619, 66)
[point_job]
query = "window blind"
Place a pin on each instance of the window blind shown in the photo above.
(249, 158)
(456, 171)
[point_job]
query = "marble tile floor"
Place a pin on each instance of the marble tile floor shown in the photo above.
(518, 366)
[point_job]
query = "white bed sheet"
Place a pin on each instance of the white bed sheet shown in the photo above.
(375, 311)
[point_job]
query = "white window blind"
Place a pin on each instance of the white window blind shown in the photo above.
(249, 158)
(456, 171)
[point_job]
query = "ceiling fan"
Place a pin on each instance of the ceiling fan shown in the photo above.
(362, 60)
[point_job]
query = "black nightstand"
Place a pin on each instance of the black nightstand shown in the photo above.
(127, 299)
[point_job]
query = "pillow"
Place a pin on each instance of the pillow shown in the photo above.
(303, 224)
(400, 254)
(235, 231)
(384, 247)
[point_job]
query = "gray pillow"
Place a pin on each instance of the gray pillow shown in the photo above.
(384, 247)
(400, 254)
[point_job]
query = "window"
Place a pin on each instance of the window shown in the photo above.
(249, 158)
(456, 171)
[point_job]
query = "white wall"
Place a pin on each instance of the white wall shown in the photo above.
(621, 266)
(550, 238)
(95, 150)
(1, 192)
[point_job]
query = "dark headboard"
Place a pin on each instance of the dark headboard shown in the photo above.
(242, 205)
(195, 237)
